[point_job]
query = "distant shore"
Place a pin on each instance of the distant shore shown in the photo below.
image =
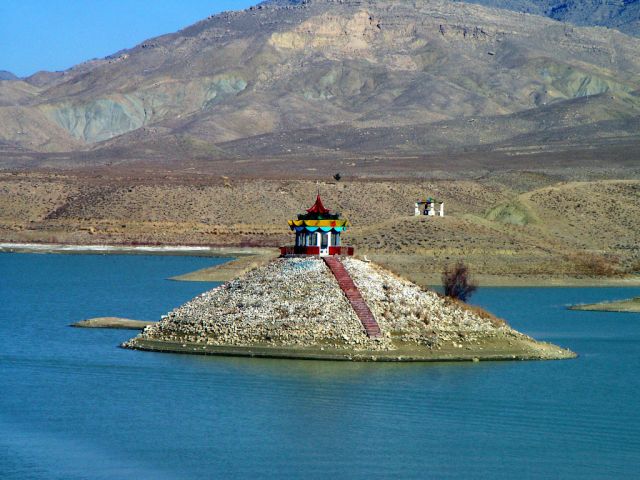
(130, 249)
(520, 281)
(251, 257)
(631, 305)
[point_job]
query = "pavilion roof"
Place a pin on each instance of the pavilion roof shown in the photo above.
(318, 207)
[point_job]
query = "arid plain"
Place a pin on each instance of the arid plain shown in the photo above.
(524, 228)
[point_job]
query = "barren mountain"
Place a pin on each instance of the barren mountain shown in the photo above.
(326, 79)
(5, 75)
(623, 15)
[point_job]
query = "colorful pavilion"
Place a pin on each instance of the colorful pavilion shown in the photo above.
(429, 207)
(318, 232)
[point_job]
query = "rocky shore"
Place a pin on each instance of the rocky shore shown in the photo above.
(295, 308)
(113, 322)
(631, 305)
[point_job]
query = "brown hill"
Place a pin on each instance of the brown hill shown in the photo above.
(522, 224)
(328, 79)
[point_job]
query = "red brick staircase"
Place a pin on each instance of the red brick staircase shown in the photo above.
(354, 296)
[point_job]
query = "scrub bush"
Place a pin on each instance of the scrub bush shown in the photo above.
(457, 282)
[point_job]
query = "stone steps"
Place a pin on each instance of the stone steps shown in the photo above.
(354, 296)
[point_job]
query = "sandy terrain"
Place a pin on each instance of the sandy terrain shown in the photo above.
(530, 228)
(233, 269)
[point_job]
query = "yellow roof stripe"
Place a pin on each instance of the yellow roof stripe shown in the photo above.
(319, 223)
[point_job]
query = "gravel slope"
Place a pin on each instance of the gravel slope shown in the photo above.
(297, 303)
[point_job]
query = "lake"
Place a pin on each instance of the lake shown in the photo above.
(75, 406)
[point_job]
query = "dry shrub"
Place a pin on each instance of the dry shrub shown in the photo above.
(457, 282)
(596, 265)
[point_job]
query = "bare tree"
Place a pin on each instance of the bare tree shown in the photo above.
(457, 282)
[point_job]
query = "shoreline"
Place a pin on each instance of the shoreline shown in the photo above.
(261, 254)
(61, 248)
(114, 323)
(525, 349)
(509, 281)
(227, 271)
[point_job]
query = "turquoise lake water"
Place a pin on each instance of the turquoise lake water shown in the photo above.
(75, 406)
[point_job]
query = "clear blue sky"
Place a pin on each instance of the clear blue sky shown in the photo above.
(57, 34)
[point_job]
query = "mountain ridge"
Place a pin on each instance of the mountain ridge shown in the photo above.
(623, 15)
(7, 75)
(221, 87)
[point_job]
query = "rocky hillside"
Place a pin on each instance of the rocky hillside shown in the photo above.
(328, 78)
(623, 15)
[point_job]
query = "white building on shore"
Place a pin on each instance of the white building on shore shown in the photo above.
(430, 207)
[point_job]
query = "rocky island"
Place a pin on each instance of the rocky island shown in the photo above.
(112, 322)
(295, 308)
(631, 305)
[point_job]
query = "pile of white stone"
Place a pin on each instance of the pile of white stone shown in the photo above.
(289, 302)
(297, 302)
(410, 314)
